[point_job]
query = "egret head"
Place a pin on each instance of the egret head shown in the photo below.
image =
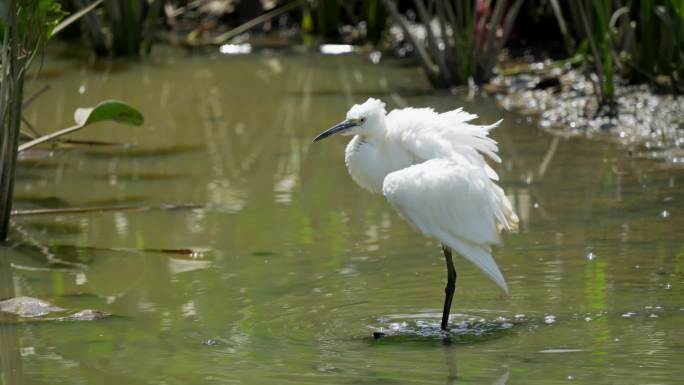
(362, 119)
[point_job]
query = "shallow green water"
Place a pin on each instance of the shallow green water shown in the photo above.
(295, 266)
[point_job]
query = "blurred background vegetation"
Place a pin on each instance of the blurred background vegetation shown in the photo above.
(642, 41)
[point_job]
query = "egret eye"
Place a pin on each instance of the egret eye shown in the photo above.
(363, 120)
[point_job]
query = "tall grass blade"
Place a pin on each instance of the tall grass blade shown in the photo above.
(75, 16)
(429, 67)
(220, 39)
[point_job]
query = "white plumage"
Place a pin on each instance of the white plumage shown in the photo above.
(431, 168)
(456, 206)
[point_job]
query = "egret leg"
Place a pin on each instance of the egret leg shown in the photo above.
(450, 287)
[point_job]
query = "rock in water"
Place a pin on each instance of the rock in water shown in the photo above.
(28, 309)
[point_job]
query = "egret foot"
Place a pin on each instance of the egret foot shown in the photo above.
(446, 339)
(450, 287)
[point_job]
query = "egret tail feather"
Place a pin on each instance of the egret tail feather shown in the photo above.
(478, 256)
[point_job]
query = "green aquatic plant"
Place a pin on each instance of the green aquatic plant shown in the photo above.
(228, 35)
(639, 41)
(124, 28)
(376, 20)
(460, 44)
(593, 19)
(325, 17)
(25, 27)
(109, 110)
(660, 52)
(328, 18)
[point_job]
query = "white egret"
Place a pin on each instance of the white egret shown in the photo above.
(431, 168)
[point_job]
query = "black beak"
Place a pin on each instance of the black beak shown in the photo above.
(347, 124)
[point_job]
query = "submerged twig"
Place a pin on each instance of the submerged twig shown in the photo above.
(32, 133)
(45, 250)
(35, 96)
(192, 252)
(101, 209)
(92, 143)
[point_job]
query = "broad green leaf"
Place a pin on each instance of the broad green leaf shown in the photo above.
(109, 110)
(113, 110)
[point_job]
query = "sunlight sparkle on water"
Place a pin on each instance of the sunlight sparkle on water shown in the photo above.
(336, 49)
(235, 49)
